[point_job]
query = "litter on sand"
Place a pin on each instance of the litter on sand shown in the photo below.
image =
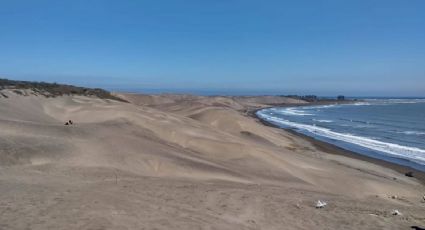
(321, 204)
(396, 213)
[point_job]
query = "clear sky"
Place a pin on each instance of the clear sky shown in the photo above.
(357, 47)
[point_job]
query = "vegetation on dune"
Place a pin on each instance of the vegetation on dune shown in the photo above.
(314, 98)
(54, 89)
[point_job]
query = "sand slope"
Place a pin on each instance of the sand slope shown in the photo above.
(176, 161)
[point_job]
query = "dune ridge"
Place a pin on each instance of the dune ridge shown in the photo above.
(193, 162)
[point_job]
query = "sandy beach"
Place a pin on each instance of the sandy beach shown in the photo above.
(185, 162)
(332, 149)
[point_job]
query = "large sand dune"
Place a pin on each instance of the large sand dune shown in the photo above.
(182, 162)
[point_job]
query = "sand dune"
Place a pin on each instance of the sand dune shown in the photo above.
(181, 161)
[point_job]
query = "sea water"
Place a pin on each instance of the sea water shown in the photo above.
(387, 129)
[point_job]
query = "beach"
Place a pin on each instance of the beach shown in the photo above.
(189, 162)
(332, 149)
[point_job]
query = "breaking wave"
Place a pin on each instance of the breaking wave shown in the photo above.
(323, 121)
(291, 112)
(418, 133)
(413, 154)
(393, 101)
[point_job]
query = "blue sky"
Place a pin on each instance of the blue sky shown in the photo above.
(323, 47)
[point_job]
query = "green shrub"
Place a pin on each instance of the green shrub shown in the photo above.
(55, 89)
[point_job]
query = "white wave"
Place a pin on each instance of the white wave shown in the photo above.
(394, 101)
(409, 153)
(291, 111)
(407, 101)
(323, 121)
(321, 106)
(360, 103)
(412, 132)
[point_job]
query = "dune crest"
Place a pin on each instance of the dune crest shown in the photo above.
(164, 147)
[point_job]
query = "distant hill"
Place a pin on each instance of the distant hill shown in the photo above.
(54, 89)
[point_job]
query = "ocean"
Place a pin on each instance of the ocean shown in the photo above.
(388, 129)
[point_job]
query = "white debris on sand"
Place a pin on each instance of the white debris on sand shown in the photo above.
(396, 213)
(321, 204)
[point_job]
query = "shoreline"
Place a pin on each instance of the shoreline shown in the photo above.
(336, 150)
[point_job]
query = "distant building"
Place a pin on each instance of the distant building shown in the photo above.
(341, 98)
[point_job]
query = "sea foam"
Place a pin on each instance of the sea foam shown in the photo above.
(394, 150)
(291, 112)
(418, 133)
(323, 121)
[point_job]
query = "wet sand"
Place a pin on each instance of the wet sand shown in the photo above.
(333, 149)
